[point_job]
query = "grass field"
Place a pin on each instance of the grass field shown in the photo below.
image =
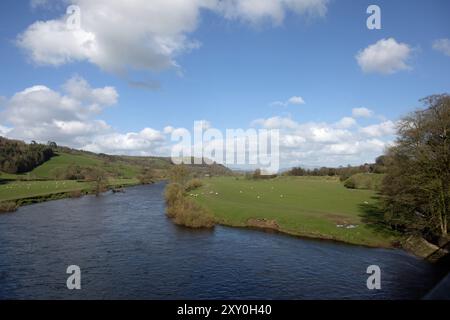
(40, 183)
(63, 161)
(304, 206)
(23, 189)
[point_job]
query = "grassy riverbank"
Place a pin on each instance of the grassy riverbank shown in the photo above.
(44, 182)
(304, 206)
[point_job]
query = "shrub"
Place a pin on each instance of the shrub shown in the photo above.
(188, 213)
(147, 176)
(8, 206)
(184, 211)
(350, 183)
(173, 193)
(368, 181)
(194, 184)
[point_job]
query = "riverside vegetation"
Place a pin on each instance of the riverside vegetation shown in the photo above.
(181, 209)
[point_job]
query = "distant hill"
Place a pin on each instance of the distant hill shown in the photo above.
(50, 161)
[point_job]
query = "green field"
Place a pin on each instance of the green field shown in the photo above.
(304, 206)
(40, 182)
(23, 189)
(63, 161)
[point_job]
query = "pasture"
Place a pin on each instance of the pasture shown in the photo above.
(305, 206)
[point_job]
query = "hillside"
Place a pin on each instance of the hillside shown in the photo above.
(66, 172)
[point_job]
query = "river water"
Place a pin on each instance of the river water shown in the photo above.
(128, 249)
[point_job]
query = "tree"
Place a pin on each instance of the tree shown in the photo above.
(179, 174)
(99, 178)
(416, 187)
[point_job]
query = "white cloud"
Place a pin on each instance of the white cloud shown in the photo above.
(168, 130)
(255, 11)
(295, 100)
(329, 144)
(118, 35)
(4, 130)
(378, 130)
(442, 45)
(136, 143)
(40, 113)
(362, 113)
(276, 123)
(346, 122)
(387, 56)
(69, 117)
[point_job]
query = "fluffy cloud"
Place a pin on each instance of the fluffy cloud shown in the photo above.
(362, 113)
(40, 113)
(442, 45)
(295, 100)
(69, 118)
(329, 144)
(145, 142)
(346, 122)
(387, 56)
(379, 130)
(147, 35)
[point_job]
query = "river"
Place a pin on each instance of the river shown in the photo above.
(128, 249)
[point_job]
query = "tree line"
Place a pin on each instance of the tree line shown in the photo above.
(342, 172)
(19, 157)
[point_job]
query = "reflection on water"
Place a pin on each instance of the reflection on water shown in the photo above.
(128, 249)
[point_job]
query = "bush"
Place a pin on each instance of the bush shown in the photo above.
(173, 193)
(8, 206)
(350, 183)
(147, 176)
(194, 184)
(367, 181)
(184, 211)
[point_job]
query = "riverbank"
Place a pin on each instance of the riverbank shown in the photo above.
(22, 193)
(320, 208)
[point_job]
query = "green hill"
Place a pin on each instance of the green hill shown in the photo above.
(32, 177)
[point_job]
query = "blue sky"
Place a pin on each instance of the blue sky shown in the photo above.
(241, 62)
